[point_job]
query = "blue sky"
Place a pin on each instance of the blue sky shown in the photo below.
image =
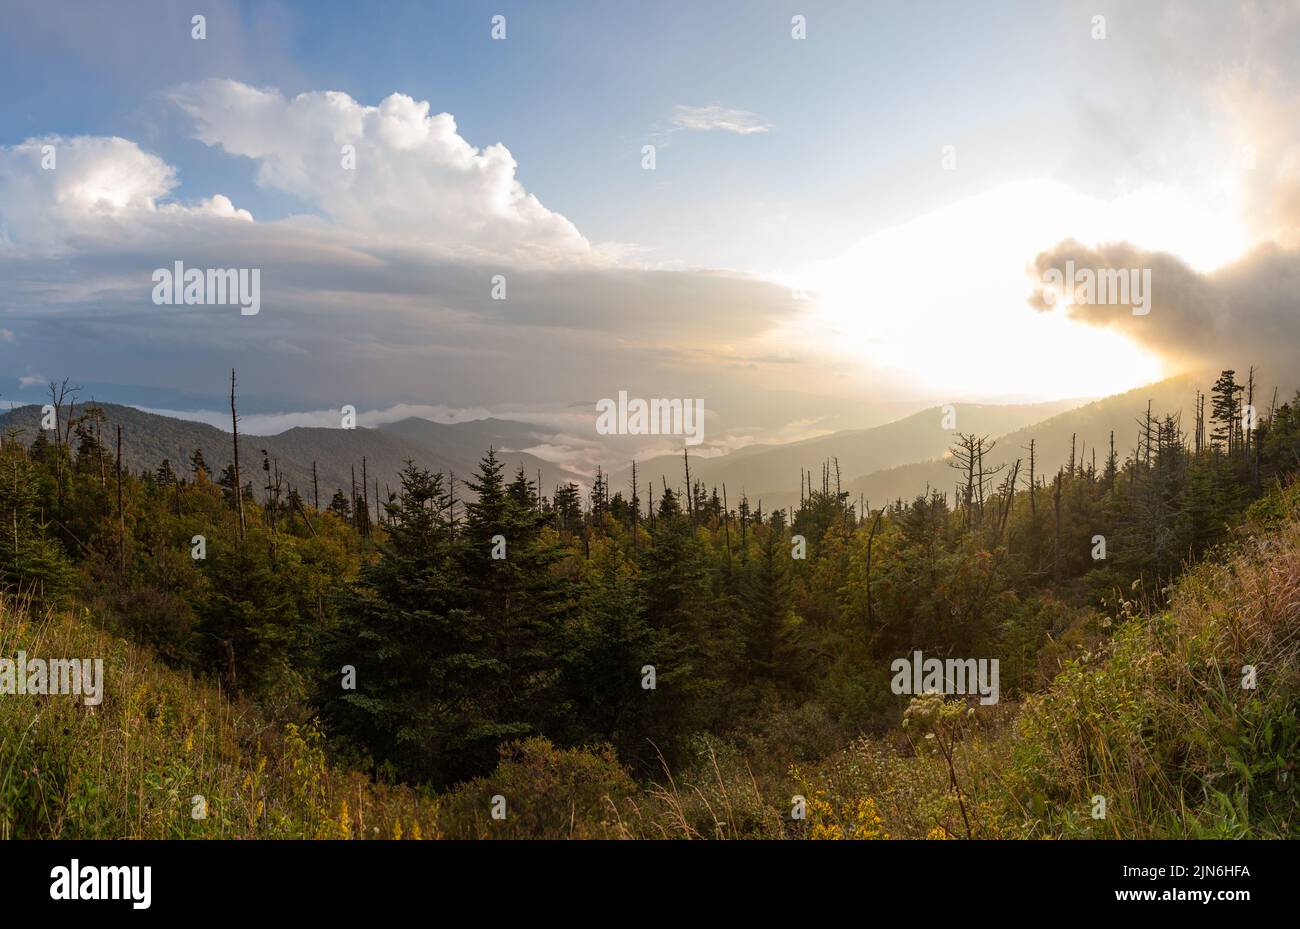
(577, 88)
(835, 266)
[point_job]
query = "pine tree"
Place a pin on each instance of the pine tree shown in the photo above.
(568, 508)
(423, 677)
(607, 650)
(506, 565)
(340, 506)
(164, 475)
(248, 623)
(677, 597)
(1225, 411)
(771, 631)
(31, 563)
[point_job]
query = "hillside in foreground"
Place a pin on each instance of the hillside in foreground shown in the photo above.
(518, 665)
(1155, 719)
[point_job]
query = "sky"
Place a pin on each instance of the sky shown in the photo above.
(837, 228)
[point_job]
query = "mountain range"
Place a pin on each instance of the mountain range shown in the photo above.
(771, 472)
(879, 464)
(149, 438)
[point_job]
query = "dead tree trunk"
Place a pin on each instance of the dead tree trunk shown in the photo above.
(234, 431)
(121, 514)
(1056, 548)
(726, 524)
(636, 507)
(690, 492)
(871, 537)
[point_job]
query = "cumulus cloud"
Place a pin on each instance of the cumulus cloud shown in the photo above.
(725, 119)
(55, 189)
(412, 175)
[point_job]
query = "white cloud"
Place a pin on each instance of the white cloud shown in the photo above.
(96, 186)
(725, 119)
(31, 380)
(415, 177)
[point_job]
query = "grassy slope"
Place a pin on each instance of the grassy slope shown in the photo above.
(131, 766)
(1158, 724)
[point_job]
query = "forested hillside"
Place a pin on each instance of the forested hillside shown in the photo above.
(650, 661)
(1084, 431)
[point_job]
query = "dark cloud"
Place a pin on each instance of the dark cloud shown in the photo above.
(386, 321)
(1240, 314)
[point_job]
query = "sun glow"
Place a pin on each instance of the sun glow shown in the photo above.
(943, 299)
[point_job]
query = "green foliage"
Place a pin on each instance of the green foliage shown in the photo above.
(1163, 721)
(32, 563)
(493, 634)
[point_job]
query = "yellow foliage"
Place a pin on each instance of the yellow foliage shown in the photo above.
(345, 820)
(855, 819)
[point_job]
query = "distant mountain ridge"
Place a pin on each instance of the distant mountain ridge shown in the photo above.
(149, 438)
(880, 464)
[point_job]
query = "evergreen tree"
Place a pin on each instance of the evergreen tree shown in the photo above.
(31, 563)
(606, 654)
(249, 622)
(568, 508)
(424, 678)
(771, 630)
(340, 506)
(165, 476)
(1225, 413)
(506, 565)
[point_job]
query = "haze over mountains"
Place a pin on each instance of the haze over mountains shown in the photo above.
(896, 460)
(772, 471)
(901, 458)
(1088, 424)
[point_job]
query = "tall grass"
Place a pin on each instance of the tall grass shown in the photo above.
(166, 755)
